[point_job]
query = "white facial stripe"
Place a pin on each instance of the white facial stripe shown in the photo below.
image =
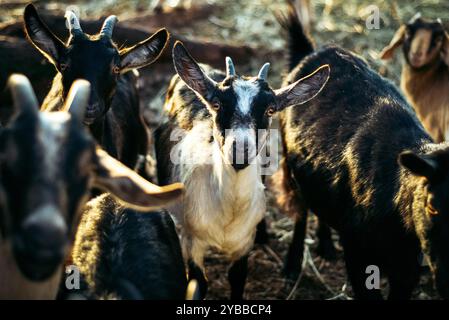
(52, 133)
(245, 91)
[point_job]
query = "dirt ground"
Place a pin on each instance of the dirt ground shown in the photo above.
(253, 23)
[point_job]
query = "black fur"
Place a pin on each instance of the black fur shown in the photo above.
(126, 254)
(299, 44)
(113, 113)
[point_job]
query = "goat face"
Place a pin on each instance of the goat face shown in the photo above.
(242, 107)
(48, 163)
(431, 210)
(93, 58)
(423, 42)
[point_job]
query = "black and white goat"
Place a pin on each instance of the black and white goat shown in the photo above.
(113, 112)
(48, 164)
(216, 119)
(125, 254)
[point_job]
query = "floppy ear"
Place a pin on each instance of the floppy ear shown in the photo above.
(304, 89)
(419, 165)
(190, 72)
(445, 49)
(41, 37)
(398, 38)
(145, 52)
(125, 184)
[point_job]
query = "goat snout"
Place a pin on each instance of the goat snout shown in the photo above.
(40, 245)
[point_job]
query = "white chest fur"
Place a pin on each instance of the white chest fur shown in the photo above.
(221, 207)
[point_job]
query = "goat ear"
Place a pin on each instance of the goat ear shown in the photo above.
(398, 38)
(41, 37)
(303, 90)
(419, 165)
(145, 52)
(126, 185)
(190, 72)
(445, 49)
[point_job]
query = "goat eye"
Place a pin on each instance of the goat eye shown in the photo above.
(270, 111)
(116, 69)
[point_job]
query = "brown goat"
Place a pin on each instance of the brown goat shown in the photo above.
(425, 73)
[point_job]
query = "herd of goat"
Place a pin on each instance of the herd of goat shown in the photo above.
(368, 160)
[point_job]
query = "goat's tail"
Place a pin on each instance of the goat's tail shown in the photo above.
(193, 290)
(300, 44)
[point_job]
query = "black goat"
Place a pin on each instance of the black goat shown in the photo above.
(359, 158)
(425, 72)
(124, 254)
(48, 164)
(113, 112)
(218, 124)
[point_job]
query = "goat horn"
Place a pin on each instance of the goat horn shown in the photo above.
(263, 73)
(415, 17)
(108, 26)
(73, 23)
(23, 94)
(77, 99)
(230, 69)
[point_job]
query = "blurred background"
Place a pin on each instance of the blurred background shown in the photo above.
(249, 33)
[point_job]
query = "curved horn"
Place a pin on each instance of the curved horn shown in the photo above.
(23, 94)
(77, 99)
(108, 26)
(230, 69)
(264, 71)
(73, 23)
(415, 17)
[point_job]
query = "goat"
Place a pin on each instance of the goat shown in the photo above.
(125, 254)
(48, 164)
(113, 112)
(297, 50)
(217, 117)
(359, 158)
(425, 73)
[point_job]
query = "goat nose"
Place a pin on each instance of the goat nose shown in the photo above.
(45, 228)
